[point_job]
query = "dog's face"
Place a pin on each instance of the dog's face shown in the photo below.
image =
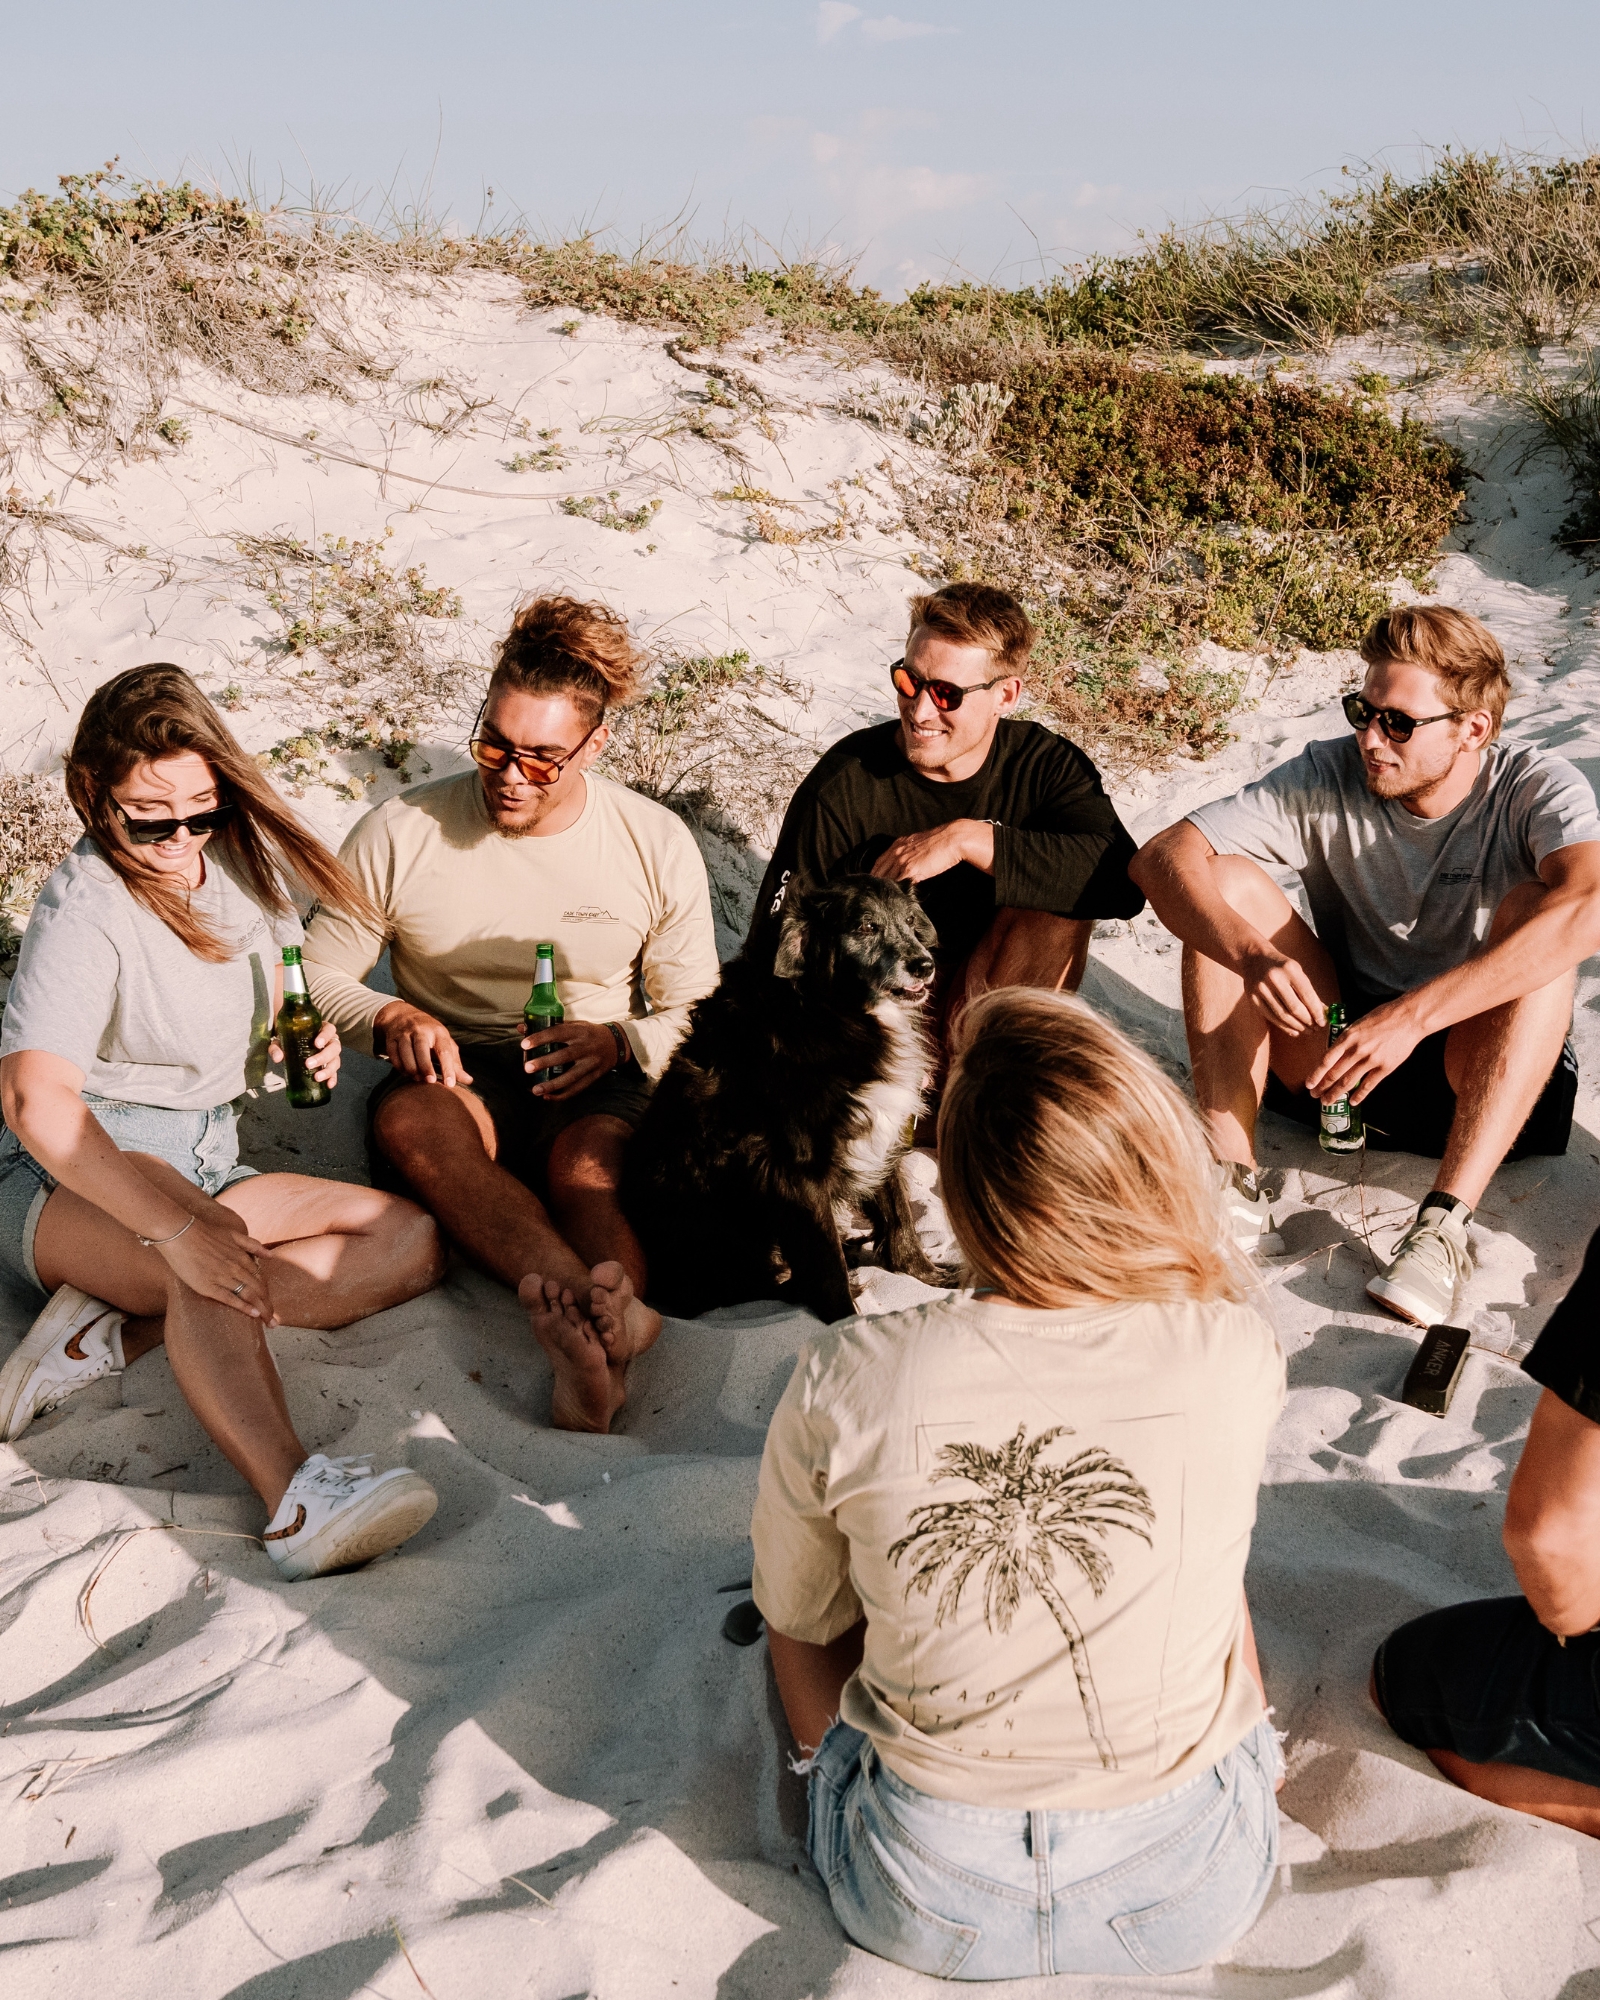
(860, 940)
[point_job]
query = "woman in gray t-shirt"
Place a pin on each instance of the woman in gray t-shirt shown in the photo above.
(141, 1010)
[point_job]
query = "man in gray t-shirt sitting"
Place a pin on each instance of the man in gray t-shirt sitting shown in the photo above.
(1454, 883)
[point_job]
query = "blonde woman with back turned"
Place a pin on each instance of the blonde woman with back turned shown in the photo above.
(1000, 1542)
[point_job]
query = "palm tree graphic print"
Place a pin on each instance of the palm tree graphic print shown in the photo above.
(1025, 1516)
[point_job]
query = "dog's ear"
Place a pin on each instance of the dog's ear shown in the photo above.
(791, 952)
(907, 887)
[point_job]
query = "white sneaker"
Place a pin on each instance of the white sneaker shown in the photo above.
(1249, 1213)
(1432, 1259)
(338, 1513)
(73, 1342)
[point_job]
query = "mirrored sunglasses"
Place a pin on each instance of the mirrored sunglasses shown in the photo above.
(151, 832)
(1394, 722)
(945, 695)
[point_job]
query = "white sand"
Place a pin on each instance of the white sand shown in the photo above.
(521, 1747)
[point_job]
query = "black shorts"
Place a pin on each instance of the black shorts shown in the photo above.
(1487, 1681)
(525, 1126)
(1412, 1109)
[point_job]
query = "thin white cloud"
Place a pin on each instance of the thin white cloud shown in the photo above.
(1091, 196)
(890, 28)
(833, 15)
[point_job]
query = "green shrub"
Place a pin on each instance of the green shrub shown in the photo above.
(70, 232)
(1111, 449)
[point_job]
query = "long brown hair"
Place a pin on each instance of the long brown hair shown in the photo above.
(1073, 1173)
(157, 711)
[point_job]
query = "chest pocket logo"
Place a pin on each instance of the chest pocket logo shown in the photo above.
(588, 913)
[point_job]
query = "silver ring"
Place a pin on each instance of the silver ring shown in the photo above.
(238, 1290)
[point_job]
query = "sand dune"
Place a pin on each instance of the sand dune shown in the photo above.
(518, 1758)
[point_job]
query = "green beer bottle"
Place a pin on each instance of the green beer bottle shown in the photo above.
(297, 1027)
(1341, 1128)
(543, 1009)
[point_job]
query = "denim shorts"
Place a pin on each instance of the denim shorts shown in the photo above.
(963, 1893)
(1487, 1681)
(202, 1145)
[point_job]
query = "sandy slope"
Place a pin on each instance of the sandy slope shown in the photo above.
(520, 1752)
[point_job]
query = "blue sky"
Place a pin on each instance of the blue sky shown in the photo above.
(982, 138)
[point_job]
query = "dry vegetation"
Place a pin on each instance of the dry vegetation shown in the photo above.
(701, 739)
(364, 649)
(1139, 503)
(37, 827)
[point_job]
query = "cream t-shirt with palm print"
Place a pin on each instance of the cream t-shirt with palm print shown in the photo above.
(1044, 1517)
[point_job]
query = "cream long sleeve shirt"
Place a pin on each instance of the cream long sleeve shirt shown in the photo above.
(621, 893)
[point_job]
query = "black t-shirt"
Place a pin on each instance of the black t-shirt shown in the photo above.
(1566, 1356)
(1059, 845)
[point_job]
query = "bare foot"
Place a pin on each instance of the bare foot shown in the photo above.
(625, 1324)
(588, 1389)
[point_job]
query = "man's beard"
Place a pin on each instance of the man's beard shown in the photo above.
(1402, 788)
(517, 829)
(537, 810)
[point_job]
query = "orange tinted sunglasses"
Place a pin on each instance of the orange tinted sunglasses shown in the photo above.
(945, 695)
(489, 755)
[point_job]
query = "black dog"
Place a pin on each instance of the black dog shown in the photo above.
(789, 1097)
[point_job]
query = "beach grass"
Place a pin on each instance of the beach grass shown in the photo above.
(1140, 500)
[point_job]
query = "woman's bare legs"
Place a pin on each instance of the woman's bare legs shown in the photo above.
(338, 1253)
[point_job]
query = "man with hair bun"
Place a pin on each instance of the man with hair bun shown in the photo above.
(471, 874)
(1003, 825)
(1453, 882)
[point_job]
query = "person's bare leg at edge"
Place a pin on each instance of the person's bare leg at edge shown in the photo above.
(578, 1272)
(1563, 1801)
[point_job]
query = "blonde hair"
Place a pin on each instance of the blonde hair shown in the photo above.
(1073, 1173)
(976, 614)
(1460, 651)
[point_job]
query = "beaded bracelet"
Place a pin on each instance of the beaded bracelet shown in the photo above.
(624, 1047)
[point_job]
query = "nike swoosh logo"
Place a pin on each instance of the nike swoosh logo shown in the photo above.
(294, 1527)
(74, 1347)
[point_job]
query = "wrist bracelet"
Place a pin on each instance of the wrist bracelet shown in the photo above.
(624, 1046)
(155, 1242)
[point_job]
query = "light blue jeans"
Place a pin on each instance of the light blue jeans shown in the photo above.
(965, 1893)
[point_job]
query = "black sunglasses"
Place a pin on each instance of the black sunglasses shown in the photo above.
(151, 832)
(1394, 722)
(945, 695)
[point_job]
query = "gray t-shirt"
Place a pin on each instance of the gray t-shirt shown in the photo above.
(103, 983)
(1396, 899)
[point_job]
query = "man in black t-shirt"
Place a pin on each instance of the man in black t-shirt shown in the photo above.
(1504, 1694)
(1003, 825)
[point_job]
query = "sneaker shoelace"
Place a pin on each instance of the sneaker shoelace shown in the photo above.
(1439, 1255)
(336, 1477)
